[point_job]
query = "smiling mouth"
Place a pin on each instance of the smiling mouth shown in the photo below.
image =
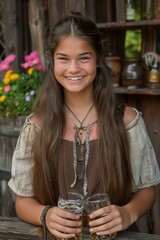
(75, 78)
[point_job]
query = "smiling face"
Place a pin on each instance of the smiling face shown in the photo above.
(75, 64)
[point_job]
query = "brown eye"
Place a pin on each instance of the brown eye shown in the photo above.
(62, 59)
(84, 59)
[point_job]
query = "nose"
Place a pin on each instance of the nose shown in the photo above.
(74, 66)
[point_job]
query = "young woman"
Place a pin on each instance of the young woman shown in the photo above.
(79, 139)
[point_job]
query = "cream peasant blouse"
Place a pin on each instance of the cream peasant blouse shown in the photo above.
(144, 165)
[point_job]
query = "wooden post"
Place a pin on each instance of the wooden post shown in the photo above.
(38, 28)
(11, 17)
(120, 11)
(148, 39)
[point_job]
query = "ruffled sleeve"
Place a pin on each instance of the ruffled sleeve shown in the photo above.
(144, 165)
(22, 161)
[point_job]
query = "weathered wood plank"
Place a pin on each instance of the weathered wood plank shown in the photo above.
(13, 228)
(38, 26)
(58, 9)
(9, 131)
(12, 16)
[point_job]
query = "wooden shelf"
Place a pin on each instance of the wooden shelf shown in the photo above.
(128, 25)
(140, 91)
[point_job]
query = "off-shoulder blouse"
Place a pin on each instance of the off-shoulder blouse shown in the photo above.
(144, 165)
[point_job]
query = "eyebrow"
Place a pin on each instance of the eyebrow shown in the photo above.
(85, 53)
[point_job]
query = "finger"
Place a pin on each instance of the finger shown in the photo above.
(65, 214)
(66, 229)
(111, 231)
(106, 217)
(67, 222)
(100, 212)
(108, 228)
(65, 218)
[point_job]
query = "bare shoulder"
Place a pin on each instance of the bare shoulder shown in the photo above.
(36, 120)
(129, 115)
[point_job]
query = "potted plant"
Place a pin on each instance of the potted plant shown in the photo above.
(18, 89)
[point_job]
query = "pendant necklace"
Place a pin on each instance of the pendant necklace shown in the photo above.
(81, 122)
(77, 144)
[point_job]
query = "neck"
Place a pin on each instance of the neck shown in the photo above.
(80, 121)
(80, 113)
(80, 101)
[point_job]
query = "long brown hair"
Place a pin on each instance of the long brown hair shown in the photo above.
(113, 145)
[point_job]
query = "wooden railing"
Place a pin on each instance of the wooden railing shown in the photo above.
(13, 228)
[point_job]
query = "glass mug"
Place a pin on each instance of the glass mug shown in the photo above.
(93, 203)
(72, 202)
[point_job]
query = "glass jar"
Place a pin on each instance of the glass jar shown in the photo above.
(133, 73)
(130, 10)
(148, 9)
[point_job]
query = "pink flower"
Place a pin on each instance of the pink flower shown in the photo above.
(40, 68)
(10, 58)
(28, 58)
(33, 60)
(26, 65)
(4, 65)
(36, 61)
(7, 88)
(34, 54)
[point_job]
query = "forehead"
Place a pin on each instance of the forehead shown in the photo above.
(73, 43)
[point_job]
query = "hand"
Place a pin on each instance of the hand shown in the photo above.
(62, 224)
(109, 220)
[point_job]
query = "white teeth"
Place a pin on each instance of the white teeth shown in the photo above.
(74, 78)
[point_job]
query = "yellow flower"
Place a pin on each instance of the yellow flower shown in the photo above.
(14, 76)
(6, 80)
(1, 88)
(30, 71)
(2, 98)
(8, 73)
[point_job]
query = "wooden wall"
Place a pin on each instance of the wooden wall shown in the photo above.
(9, 131)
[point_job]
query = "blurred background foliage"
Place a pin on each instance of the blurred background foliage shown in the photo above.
(133, 38)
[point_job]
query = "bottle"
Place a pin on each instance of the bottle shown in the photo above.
(130, 10)
(148, 9)
(154, 75)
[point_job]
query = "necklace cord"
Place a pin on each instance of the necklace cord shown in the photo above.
(86, 158)
(81, 122)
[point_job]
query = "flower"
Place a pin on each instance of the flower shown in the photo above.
(18, 89)
(4, 65)
(2, 98)
(7, 88)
